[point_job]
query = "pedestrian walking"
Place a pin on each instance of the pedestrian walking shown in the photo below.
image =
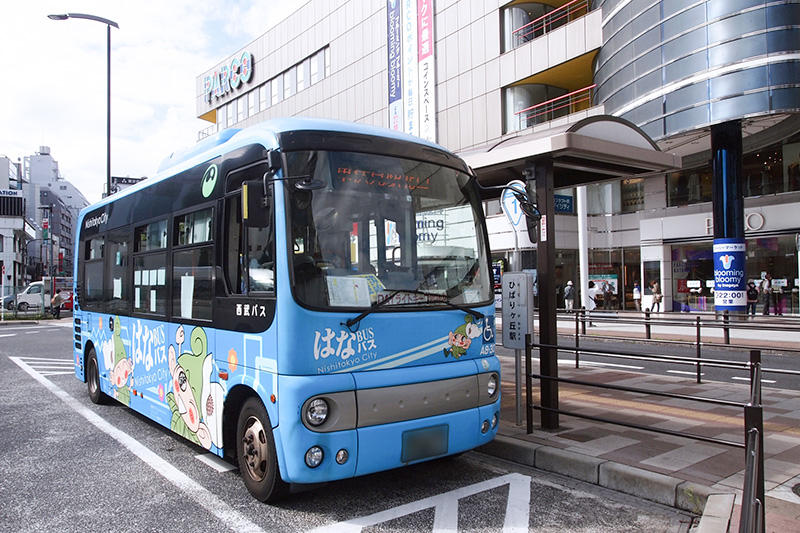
(657, 297)
(637, 296)
(608, 295)
(569, 297)
(752, 298)
(55, 304)
(766, 293)
(590, 300)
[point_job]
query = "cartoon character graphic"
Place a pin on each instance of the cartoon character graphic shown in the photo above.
(195, 401)
(461, 338)
(117, 361)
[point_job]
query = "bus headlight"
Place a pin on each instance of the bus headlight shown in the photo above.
(491, 385)
(314, 456)
(316, 412)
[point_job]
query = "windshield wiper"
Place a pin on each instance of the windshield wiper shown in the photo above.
(354, 321)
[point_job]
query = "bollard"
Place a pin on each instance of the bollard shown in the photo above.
(726, 330)
(528, 386)
(583, 321)
(647, 323)
(577, 341)
(698, 342)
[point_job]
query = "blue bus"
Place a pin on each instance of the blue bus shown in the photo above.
(310, 299)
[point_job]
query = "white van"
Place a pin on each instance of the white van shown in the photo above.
(31, 297)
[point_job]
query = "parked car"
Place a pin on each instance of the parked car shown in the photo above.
(32, 297)
(8, 302)
(67, 305)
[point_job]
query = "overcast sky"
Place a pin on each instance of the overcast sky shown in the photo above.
(53, 89)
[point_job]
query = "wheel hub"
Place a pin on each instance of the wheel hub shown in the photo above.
(254, 445)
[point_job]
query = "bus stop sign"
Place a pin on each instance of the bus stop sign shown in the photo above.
(510, 204)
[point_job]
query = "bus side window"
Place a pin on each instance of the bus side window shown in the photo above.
(261, 263)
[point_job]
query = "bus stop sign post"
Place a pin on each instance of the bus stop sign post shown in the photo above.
(514, 214)
(517, 321)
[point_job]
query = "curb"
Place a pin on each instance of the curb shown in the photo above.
(715, 507)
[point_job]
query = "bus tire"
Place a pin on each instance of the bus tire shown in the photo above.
(255, 451)
(93, 379)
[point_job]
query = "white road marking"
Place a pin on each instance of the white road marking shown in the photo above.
(34, 359)
(739, 378)
(615, 365)
(214, 462)
(9, 335)
(685, 372)
(229, 516)
(446, 508)
(46, 373)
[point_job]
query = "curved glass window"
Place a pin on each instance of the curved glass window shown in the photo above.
(381, 224)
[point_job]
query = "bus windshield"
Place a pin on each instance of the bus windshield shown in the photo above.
(382, 224)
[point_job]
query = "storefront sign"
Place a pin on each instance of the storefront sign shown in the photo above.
(410, 85)
(10, 193)
(730, 290)
(563, 203)
(229, 77)
(427, 71)
(393, 32)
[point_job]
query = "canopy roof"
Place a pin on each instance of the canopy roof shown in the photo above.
(593, 149)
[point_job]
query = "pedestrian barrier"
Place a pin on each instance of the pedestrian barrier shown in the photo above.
(752, 508)
(725, 322)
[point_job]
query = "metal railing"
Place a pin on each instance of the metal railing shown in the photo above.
(550, 21)
(726, 322)
(557, 107)
(752, 508)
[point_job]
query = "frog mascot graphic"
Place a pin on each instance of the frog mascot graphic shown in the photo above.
(122, 367)
(460, 339)
(195, 401)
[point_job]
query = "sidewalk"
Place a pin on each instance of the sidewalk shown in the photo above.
(675, 471)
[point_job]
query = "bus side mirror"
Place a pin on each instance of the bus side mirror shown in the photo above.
(532, 214)
(256, 212)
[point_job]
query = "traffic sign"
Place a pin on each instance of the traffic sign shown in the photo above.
(510, 204)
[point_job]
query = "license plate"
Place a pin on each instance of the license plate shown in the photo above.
(423, 443)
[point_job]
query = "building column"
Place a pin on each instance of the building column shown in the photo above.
(730, 292)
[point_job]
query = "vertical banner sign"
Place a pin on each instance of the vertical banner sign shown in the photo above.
(395, 65)
(410, 86)
(730, 290)
(517, 308)
(426, 98)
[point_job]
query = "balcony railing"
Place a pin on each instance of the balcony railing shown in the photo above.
(557, 107)
(552, 20)
(207, 132)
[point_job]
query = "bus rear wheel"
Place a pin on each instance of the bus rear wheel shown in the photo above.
(93, 379)
(255, 447)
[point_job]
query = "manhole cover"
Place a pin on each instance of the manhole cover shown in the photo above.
(796, 489)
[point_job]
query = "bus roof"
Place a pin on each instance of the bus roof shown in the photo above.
(267, 133)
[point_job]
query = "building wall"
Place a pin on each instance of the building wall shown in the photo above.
(672, 66)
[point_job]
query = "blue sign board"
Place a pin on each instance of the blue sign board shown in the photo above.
(563, 203)
(730, 291)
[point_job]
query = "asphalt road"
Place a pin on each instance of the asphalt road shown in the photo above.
(70, 465)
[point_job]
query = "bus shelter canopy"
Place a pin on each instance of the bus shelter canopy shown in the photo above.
(594, 149)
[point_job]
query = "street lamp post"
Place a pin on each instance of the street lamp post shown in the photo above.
(108, 24)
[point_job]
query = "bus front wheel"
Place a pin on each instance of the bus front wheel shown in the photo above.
(258, 462)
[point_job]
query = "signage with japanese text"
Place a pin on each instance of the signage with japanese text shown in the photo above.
(517, 308)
